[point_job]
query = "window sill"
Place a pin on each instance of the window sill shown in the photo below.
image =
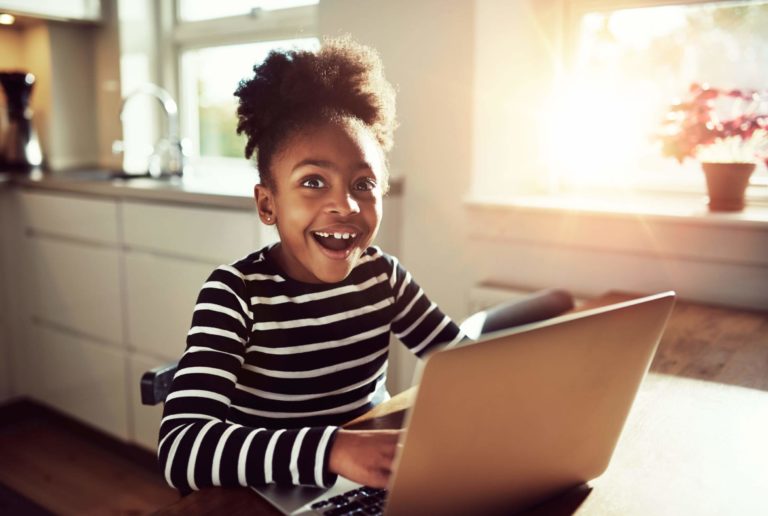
(683, 209)
(672, 229)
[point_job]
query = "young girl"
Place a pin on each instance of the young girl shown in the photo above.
(291, 341)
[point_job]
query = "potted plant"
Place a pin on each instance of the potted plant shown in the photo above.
(726, 131)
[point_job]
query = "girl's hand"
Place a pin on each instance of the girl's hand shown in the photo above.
(364, 456)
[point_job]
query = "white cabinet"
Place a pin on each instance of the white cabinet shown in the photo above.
(86, 10)
(160, 297)
(77, 287)
(73, 356)
(73, 256)
(203, 234)
(72, 216)
(78, 376)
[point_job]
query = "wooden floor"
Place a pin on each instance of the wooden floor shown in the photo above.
(49, 466)
(717, 344)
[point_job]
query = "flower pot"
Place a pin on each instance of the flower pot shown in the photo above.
(726, 184)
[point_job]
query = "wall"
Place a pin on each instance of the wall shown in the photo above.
(716, 260)
(516, 59)
(107, 85)
(427, 50)
(73, 64)
(11, 57)
(72, 138)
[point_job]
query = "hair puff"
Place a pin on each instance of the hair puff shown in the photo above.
(292, 89)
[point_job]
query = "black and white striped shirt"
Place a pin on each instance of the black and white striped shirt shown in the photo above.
(273, 365)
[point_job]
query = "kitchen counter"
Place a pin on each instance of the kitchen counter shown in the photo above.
(235, 192)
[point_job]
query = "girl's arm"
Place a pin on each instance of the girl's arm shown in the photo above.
(418, 322)
(197, 446)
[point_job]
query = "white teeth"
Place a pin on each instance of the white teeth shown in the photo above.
(340, 236)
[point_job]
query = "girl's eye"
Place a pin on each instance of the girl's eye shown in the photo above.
(365, 185)
(313, 182)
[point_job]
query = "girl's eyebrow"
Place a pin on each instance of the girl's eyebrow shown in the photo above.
(313, 162)
(320, 163)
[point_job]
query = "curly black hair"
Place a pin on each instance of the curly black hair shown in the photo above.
(295, 89)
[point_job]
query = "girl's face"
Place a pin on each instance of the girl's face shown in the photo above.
(326, 200)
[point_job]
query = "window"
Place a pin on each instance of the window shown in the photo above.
(209, 77)
(196, 10)
(216, 45)
(627, 66)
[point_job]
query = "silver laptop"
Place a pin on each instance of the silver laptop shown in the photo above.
(508, 421)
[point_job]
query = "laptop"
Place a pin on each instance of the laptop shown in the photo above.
(503, 423)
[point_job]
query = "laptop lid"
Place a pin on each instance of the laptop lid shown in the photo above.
(507, 421)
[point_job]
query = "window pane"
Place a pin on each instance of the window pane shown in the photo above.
(630, 65)
(210, 77)
(195, 10)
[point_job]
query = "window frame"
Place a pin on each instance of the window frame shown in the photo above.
(183, 36)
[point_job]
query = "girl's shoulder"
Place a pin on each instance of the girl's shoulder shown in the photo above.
(376, 257)
(254, 260)
(255, 265)
(377, 261)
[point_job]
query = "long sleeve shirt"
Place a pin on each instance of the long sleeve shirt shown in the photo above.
(273, 365)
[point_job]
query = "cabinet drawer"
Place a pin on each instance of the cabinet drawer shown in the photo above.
(214, 235)
(161, 295)
(71, 216)
(77, 286)
(82, 378)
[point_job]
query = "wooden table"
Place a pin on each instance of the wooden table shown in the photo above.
(690, 445)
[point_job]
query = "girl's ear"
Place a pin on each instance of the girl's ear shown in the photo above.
(265, 204)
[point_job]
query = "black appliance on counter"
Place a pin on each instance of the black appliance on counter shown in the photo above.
(19, 144)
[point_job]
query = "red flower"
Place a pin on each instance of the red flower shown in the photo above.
(691, 124)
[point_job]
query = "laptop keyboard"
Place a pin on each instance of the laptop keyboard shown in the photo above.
(361, 501)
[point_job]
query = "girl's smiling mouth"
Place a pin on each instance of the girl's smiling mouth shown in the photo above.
(336, 243)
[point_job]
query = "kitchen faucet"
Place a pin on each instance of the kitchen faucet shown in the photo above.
(168, 156)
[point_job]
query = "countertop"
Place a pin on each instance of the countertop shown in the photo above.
(234, 192)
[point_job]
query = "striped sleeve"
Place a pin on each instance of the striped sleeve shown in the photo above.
(197, 446)
(418, 322)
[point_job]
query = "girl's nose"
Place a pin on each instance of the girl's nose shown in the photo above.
(344, 203)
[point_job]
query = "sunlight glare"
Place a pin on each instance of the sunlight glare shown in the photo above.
(637, 28)
(594, 129)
